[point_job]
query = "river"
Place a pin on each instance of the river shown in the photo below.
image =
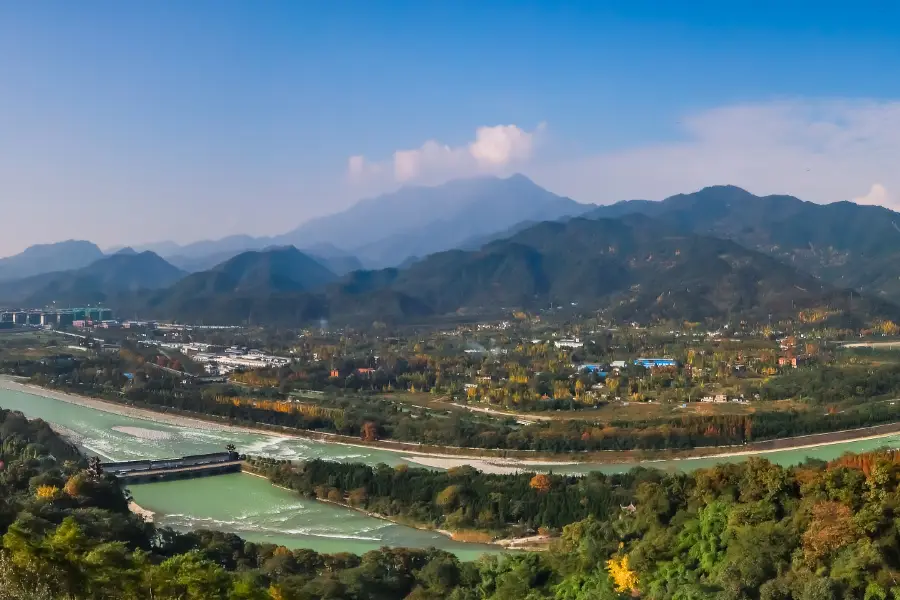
(258, 511)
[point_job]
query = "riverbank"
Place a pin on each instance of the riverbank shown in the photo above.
(532, 542)
(435, 459)
(480, 459)
(138, 510)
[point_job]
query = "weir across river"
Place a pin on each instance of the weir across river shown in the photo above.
(186, 467)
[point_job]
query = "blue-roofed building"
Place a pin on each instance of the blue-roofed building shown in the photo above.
(656, 362)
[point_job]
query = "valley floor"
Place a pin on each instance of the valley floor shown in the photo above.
(464, 456)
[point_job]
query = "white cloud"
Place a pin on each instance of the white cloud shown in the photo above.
(502, 144)
(493, 150)
(878, 196)
(823, 151)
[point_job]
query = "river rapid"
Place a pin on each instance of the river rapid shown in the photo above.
(258, 511)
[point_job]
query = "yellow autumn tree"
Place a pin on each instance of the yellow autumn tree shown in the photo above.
(541, 483)
(75, 484)
(449, 497)
(47, 492)
(624, 579)
(579, 389)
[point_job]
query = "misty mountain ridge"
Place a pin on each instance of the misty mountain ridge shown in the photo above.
(279, 269)
(252, 279)
(417, 221)
(101, 281)
(388, 229)
(46, 258)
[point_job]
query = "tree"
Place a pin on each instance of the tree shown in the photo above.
(47, 492)
(541, 483)
(624, 579)
(95, 467)
(831, 528)
(369, 432)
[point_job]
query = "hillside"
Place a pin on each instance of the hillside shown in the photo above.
(846, 244)
(635, 268)
(47, 258)
(101, 281)
(267, 283)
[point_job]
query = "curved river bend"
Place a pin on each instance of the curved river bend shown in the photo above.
(256, 510)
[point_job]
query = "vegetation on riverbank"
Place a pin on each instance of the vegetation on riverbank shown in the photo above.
(461, 499)
(748, 531)
(114, 378)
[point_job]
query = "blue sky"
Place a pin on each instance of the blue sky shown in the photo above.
(131, 122)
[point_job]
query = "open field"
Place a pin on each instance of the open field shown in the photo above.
(613, 411)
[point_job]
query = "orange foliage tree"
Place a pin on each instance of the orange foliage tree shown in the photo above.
(540, 482)
(369, 432)
(831, 529)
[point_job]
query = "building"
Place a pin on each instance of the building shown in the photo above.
(656, 362)
(569, 343)
(794, 361)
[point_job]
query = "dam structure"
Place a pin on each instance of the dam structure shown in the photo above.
(167, 469)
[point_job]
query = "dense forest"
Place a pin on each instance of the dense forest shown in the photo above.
(461, 498)
(748, 531)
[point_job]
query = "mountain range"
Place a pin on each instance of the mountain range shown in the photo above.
(101, 281)
(487, 245)
(634, 268)
(387, 230)
(847, 244)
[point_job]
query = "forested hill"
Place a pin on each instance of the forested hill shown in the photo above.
(847, 244)
(634, 268)
(101, 281)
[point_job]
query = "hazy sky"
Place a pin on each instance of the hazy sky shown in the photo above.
(133, 122)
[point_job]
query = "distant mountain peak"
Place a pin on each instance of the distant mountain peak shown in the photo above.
(47, 258)
(419, 220)
(100, 281)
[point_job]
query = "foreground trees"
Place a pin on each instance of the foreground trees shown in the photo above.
(748, 531)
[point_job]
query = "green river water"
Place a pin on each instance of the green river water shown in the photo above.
(252, 508)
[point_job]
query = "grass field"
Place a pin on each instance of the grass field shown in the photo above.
(614, 411)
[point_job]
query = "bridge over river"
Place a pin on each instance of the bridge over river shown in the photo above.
(186, 467)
